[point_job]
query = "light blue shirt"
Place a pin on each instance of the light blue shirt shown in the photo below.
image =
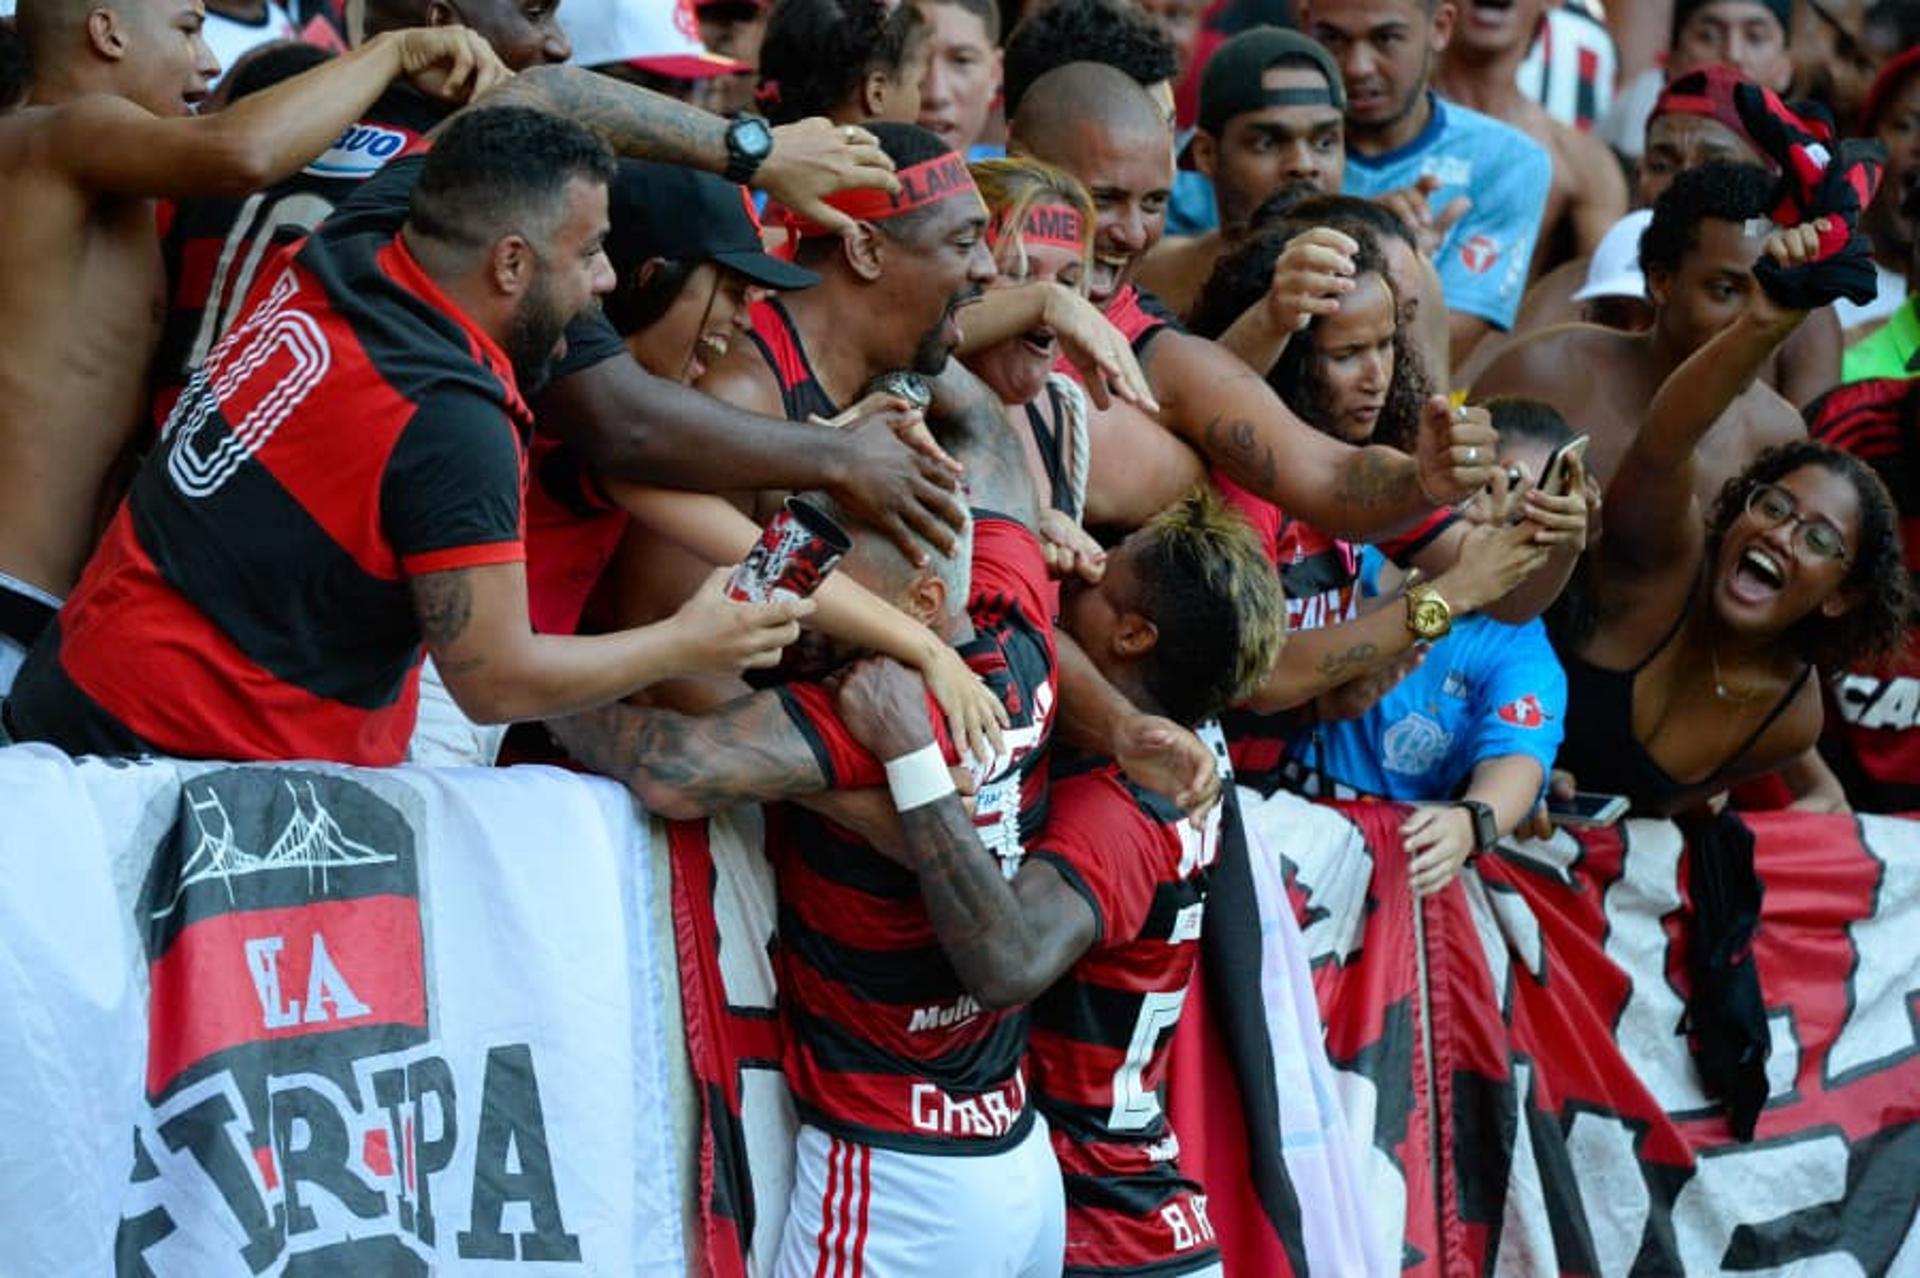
(1486, 690)
(1484, 259)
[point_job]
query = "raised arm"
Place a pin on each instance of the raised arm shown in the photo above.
(1230, 414)
(1007, 941)
(1653, 519)
(1097, 349)
(109, 144)
(810, 159)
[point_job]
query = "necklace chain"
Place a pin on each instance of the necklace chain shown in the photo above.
(1720, 688)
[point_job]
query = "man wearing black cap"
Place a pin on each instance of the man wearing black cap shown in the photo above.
(1271, 108)
(686, 254)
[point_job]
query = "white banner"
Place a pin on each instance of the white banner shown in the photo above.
(402, 1021)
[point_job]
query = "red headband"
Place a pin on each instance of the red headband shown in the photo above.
(1058, 224)
(1706, 92)
(921, 184)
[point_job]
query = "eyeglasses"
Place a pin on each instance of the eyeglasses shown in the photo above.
(1814, 536)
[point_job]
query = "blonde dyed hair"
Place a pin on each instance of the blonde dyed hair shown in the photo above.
(1012, 187)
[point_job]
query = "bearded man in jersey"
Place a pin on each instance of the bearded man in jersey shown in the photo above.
(1099, 927)
(890, 291)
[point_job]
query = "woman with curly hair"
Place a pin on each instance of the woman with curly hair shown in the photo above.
(1698, 672)
(853, 61)
(1348, 371)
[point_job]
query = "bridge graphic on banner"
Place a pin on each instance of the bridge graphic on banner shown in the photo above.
(311, 840)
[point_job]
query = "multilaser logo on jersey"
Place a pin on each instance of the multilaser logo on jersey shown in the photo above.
(299, 1111)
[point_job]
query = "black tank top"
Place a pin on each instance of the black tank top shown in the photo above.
(1601, 749)
(1052, 443)
(801, 395)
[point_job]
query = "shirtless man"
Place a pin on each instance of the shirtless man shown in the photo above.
(1270, 118)
(1698, 257)
(1693, 123)
(1589, 193)
(1098, 125)
(107, 129)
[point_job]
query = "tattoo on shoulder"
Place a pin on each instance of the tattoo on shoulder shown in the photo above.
(1238, 449)
(443, 603)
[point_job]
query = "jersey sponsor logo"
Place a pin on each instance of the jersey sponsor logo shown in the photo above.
(1879, 704)
(1414, 745)
(987, 1114)
(1523, 712)
(1479, 253)
(943, 1015)
(1448, 170)
(1328, 608)
(1186, 923)
(358, 153)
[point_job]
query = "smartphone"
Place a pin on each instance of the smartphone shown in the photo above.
(1586, 809)
(1556, 476)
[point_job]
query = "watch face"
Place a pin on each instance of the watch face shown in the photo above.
(1430, 617)
(752, 137)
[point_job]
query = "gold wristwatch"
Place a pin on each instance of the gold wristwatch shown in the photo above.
(1429, 616)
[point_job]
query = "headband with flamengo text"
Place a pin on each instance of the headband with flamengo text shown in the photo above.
(1058, 224)
(921, 184)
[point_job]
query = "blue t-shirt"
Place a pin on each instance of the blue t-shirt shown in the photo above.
(1487, 689)
(1483, 261)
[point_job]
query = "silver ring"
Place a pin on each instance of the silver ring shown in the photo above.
(848, 134)
(1473, 454)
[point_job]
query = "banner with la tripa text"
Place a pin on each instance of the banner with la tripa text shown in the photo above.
(304, 1020)
(1514, 1089)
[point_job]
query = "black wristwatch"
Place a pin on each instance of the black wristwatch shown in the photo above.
(749, 141)
(1486, 830)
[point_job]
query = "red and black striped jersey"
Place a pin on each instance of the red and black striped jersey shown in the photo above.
(801, 394)
(1873, 716)
(1321, 576)
(884, 1043)
(216, 248)
(1101, 1037)
(355, 429)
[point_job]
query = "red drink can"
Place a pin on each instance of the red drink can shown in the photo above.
(796, 551)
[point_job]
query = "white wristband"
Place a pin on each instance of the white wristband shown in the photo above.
(920, 778)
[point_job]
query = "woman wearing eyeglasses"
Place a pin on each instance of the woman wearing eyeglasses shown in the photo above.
(1697, 674)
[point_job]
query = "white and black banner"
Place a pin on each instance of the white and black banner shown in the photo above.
(306, 1020)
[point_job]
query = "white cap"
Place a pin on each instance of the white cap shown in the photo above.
(1615, 269)
(654, 35)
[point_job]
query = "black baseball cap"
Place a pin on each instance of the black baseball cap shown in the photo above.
(666, 210)
(1231, 84)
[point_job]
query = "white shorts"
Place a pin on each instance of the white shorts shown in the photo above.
(862, 1212)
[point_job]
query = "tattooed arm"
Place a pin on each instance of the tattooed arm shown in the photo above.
(810, 159)
(684, 766)
(474, 622)
(1007, 941)
(1492, 560)
(1221, 407)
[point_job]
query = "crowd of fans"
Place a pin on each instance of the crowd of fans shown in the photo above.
(1455, 403)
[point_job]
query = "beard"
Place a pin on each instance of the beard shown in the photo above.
(532, 335)
(930, 354)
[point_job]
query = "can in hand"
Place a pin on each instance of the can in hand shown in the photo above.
(796, 551)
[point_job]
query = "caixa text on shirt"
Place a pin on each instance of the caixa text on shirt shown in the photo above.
(424, 1160)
